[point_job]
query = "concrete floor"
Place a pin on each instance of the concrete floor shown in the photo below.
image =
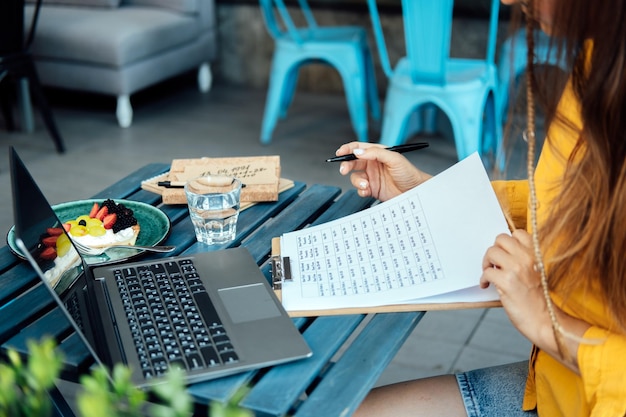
(174, 120)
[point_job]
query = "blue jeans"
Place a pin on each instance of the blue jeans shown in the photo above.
(495, 391)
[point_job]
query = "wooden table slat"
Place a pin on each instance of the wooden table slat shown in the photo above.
(307, 206)
(251, 218)
(132, 183)
(52, 324)
(145, 197)
(7, 258)
(349, 202)
(283, 385)
(16, 280)
(22, 308)
(182, 236)
(356, 372)
(175, 213)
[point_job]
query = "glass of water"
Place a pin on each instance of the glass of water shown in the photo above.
(213, 203)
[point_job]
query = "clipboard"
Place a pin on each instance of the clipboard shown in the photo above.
(281, 272)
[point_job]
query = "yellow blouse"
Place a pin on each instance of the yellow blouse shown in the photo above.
(600, 390)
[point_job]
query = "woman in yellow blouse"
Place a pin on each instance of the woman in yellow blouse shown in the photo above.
(561, 274)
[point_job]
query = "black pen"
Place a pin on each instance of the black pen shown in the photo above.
(178, 184)
(171, 184)
(400, 149)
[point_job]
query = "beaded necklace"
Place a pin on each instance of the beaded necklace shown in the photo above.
(529, 137)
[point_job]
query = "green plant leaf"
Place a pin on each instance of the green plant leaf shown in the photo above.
(44, 364)
(24, 385)
(174, 395)
(14, 359)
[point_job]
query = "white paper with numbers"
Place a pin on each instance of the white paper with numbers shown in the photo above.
(423, 246)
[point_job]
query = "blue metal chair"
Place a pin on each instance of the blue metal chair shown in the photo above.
(513, 59)
(463, 89)
(344, 47)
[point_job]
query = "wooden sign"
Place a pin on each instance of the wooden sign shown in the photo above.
(259, 174)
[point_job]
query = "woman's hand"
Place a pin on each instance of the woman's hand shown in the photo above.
(378, 172)
(510, 265)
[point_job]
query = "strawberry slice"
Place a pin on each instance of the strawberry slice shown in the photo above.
(50, 240)
(109, 220)
(49, 253)
(54, 231)
(102, 213)
(94, 210)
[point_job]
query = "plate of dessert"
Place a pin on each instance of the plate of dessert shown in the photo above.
(100, 223)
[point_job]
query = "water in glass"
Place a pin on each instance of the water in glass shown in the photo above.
(214, 215)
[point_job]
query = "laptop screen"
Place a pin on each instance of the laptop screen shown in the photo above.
(40, 230)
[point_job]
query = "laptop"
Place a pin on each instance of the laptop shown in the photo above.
(212, 314)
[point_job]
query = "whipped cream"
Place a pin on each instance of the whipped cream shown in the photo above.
(108, 238)
(62, 264)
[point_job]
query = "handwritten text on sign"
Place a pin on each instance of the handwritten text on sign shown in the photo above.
(251, 170)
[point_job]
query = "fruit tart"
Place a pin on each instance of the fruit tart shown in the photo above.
(107, 224)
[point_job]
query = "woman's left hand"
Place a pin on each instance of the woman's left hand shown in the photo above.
(510, 265)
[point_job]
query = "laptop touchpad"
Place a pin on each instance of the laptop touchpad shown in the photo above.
(248, 303)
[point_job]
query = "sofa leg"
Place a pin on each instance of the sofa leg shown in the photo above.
(124, 111)
(205, 77)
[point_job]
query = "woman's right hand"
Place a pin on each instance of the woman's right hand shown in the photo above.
(377, 172)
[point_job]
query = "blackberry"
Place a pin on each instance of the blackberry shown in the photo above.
(123, 222)
(125, 216)
(110, 204)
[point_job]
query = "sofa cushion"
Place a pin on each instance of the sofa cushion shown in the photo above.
(86, 3)
(110, 37)
(184, 6)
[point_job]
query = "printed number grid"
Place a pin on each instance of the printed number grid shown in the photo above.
(384, 250)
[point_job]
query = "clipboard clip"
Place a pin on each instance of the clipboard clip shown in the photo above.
(281, 271)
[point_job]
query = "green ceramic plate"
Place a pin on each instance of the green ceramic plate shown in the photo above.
(155, 227)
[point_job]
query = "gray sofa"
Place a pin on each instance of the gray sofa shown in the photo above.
(118, 47)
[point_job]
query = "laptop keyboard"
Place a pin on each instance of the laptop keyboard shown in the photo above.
(72, 306)
(172, 318)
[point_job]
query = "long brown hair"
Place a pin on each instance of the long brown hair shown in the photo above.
(587, 222)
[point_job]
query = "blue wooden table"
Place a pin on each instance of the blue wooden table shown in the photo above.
(349, 351)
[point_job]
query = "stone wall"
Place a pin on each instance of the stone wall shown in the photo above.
(245, 47)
